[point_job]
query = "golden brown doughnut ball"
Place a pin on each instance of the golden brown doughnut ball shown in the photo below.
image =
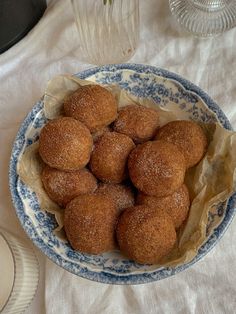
(176, 204)
(93, 105)
(145, 235)
(89, 223)
(188, 136)
(65, 144)
(63, 186)
(109, 157)
(122, 195)
(138, 122)
(156, 168)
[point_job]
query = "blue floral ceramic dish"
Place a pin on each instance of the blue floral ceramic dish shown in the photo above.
(141, 80)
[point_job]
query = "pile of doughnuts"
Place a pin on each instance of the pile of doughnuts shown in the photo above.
(117, 175)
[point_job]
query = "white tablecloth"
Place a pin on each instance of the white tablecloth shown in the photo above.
(50, 49)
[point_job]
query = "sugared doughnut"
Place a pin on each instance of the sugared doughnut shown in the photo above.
(63, 186)
(138, 122)
(93, 105)
(122, 195)
(188, 136)
(145, 235)
(156, 168)
(89, 223)
(176, 204)
(65, 144)
(109, 157)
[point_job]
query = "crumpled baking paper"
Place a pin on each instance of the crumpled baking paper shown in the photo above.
(211, 182)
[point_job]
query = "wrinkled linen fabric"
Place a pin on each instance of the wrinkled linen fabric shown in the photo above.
(51, 48)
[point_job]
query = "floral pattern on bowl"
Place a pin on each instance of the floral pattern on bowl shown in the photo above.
(166, 89)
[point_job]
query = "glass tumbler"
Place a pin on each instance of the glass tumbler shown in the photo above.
(19, 271)
(204, 17)
(108, 31)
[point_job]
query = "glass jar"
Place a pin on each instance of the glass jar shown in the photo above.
(108, 31)
(19, 274)
(204, 17)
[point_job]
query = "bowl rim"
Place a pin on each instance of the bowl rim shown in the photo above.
(103, 276)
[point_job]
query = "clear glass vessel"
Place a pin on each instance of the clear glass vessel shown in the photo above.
(108, 31)
(205, 17)
(19, 274)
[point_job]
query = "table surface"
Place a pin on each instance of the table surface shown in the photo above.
(51, 48)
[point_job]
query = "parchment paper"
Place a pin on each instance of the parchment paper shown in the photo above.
(212, 181)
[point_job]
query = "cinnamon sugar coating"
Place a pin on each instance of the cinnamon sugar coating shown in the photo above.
(65, 144)
(176, 204)
(145, 235)
(93, 105)
(188, 136)
(157, 168)
(90, 222)
(122, 195)
(109, 158)
(63, 186)
(138, 122)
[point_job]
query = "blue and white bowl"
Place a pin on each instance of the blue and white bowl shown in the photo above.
(166, 89)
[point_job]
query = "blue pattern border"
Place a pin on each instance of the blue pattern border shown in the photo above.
(104, 276)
